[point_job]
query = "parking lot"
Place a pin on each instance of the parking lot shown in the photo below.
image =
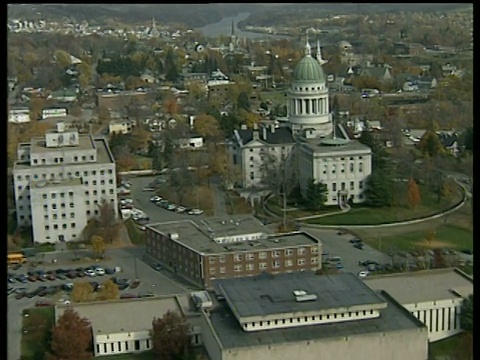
(141, 200)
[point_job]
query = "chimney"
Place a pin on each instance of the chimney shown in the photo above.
(255, 131)
(264, 128)
(272, 128)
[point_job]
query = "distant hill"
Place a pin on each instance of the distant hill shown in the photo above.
(198, 15)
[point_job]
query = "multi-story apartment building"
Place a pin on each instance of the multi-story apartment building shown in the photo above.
(225, 247)
(59, 182)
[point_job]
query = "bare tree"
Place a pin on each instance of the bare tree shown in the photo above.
(279, 174)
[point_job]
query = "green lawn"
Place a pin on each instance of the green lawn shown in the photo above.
(450, 347)
(35, 342)
(450, 236)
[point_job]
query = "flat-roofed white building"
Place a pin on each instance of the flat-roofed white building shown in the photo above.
(19, 114)
(59, 182)
(124, 326)
(306, 316)
(433, 296)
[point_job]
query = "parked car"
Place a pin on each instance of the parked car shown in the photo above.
(41, 303)
(134, 284)
(341, 232)
(109, 271)
(155, 198)
(171, 207)
(100, 271)
(180, 209)
(157, 267)
(71, 274)
(195, 212)
(20, 295)
(148, 189)
(355, 240)
(359, 245)
(339, 266)
(90, 273)
(363, 274)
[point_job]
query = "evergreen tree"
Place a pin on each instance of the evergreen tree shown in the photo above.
(315, 195)
(378, 190)
(243, 101)
(466, 314)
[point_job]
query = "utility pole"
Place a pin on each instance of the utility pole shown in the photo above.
(135, 265)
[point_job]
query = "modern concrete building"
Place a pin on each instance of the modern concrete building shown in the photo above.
(59, 182)
(233, 246)
(433, 296)
(306, 316)
(124, 326)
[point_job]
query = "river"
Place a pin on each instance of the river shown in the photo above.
(224, 27)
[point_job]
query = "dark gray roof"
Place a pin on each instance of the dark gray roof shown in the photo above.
(267, 294)
(282, 135)
(393, 318)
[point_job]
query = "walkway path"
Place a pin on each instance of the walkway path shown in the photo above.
(220, 208)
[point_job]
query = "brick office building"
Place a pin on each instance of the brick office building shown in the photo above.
(225, 247)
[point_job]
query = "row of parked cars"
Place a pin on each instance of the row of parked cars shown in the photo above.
(164, 203)
(61, 274)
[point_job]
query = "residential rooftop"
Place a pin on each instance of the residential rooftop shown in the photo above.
(199, 235)
(267, 294)
(230, 334)
(427, 285)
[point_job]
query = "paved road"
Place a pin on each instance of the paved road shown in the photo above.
(339, 245)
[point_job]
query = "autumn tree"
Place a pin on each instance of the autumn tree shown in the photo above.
(140, 138)
(208, 127)
(171, 336)
(181, 179)
(71, 338)
(430, 144)
(413, 194)
(108, 291)
(98, 245)
(82, 291)
(170, 105)
(107, 222)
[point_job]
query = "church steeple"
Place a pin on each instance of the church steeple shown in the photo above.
(233, 29)
(319, 54)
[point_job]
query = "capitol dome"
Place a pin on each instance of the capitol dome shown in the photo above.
(308, 70)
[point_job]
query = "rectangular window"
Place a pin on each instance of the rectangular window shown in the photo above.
(222, 258)
(238, 268)
(443, 319)
(211, 260)
(352, 185)
(252, 175)
(137, 344)
(334, 187)
(301, 261)
(275, 253)
(360, 184)
(222, 270)
(237, 257)
(288, 252)
(301, 251)
(288, 263)
(212, 271)
(275, 264)
(360, 167)
(250, 267)
(262, 266)
(314, 250)
(262, 255)
(314, 260)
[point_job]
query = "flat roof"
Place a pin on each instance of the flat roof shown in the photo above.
(195, 234)
(85, 143)
(425, 285)
(268, 294)
(230, 334)
(119, 316)
(321, 145)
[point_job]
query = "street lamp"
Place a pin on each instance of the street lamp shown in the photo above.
(135, 265)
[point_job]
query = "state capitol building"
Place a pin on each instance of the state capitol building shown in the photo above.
(322, 150)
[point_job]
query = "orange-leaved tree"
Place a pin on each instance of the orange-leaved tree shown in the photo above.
(414, 198)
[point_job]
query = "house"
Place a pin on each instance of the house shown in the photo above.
(148, 78)
(450, 141)
(121, 126)
(380, 72)
(54, 111)
(18, 114)
(65, 95)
